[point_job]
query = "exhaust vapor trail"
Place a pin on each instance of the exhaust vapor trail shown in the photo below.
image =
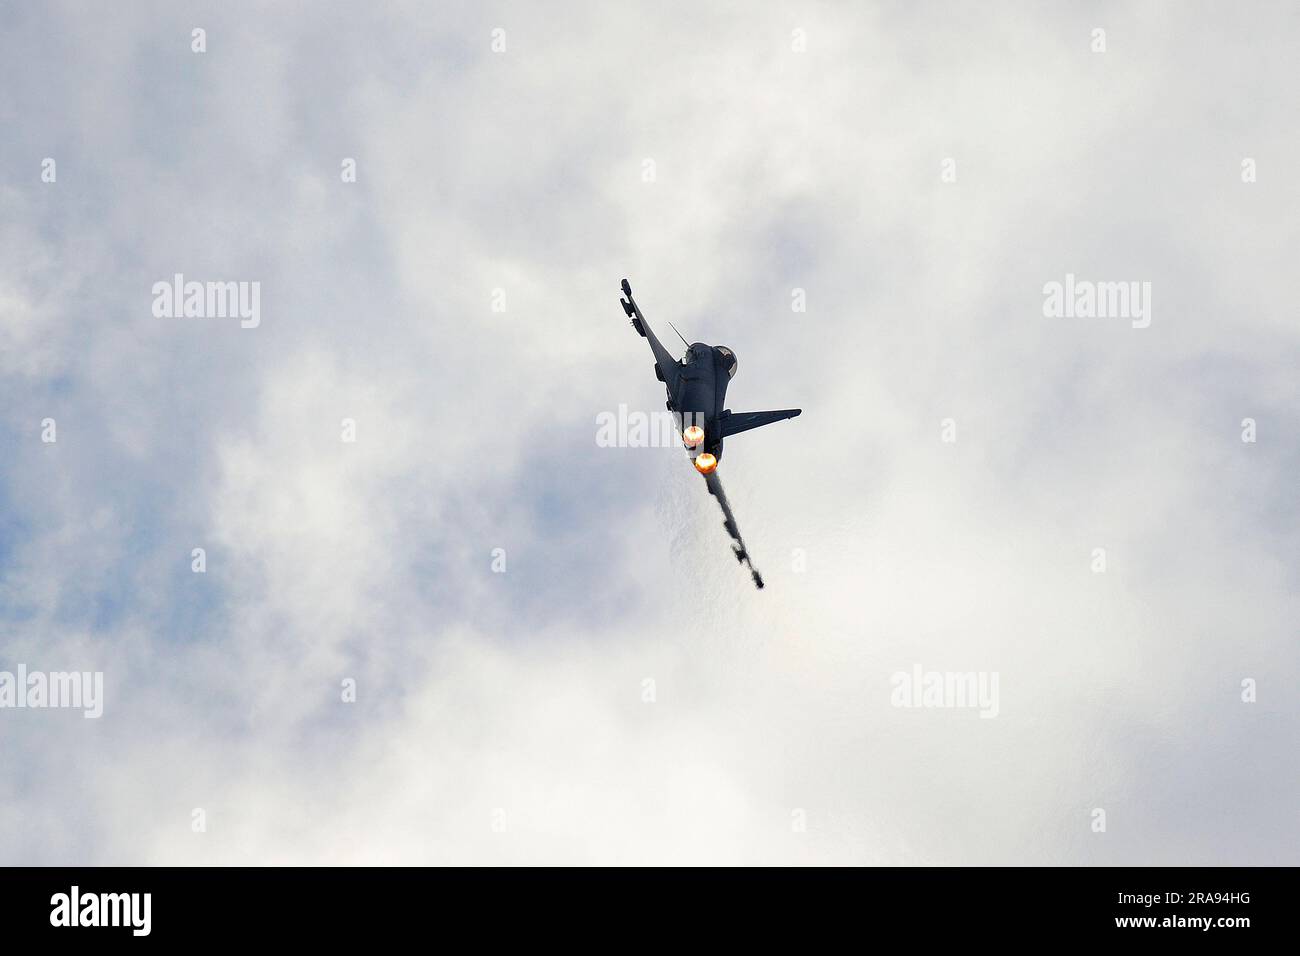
(729, 522)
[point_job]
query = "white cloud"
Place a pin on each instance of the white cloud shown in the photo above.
(522, 692)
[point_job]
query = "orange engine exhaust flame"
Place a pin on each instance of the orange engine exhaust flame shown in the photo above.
(693, 435)
(705, 464)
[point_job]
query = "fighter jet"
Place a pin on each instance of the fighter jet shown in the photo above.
(697, 391)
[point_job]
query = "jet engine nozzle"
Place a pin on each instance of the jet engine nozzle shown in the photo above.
(693, 435)
(705, 464)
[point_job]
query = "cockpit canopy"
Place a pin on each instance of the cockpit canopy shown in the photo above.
(728, 359)
(699, 352)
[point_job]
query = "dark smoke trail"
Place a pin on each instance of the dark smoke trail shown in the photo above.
(714, 484)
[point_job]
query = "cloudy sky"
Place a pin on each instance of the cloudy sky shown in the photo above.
(621, 693)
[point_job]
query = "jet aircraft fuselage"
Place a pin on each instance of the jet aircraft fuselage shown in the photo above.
(701, 394)
(697, 396)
